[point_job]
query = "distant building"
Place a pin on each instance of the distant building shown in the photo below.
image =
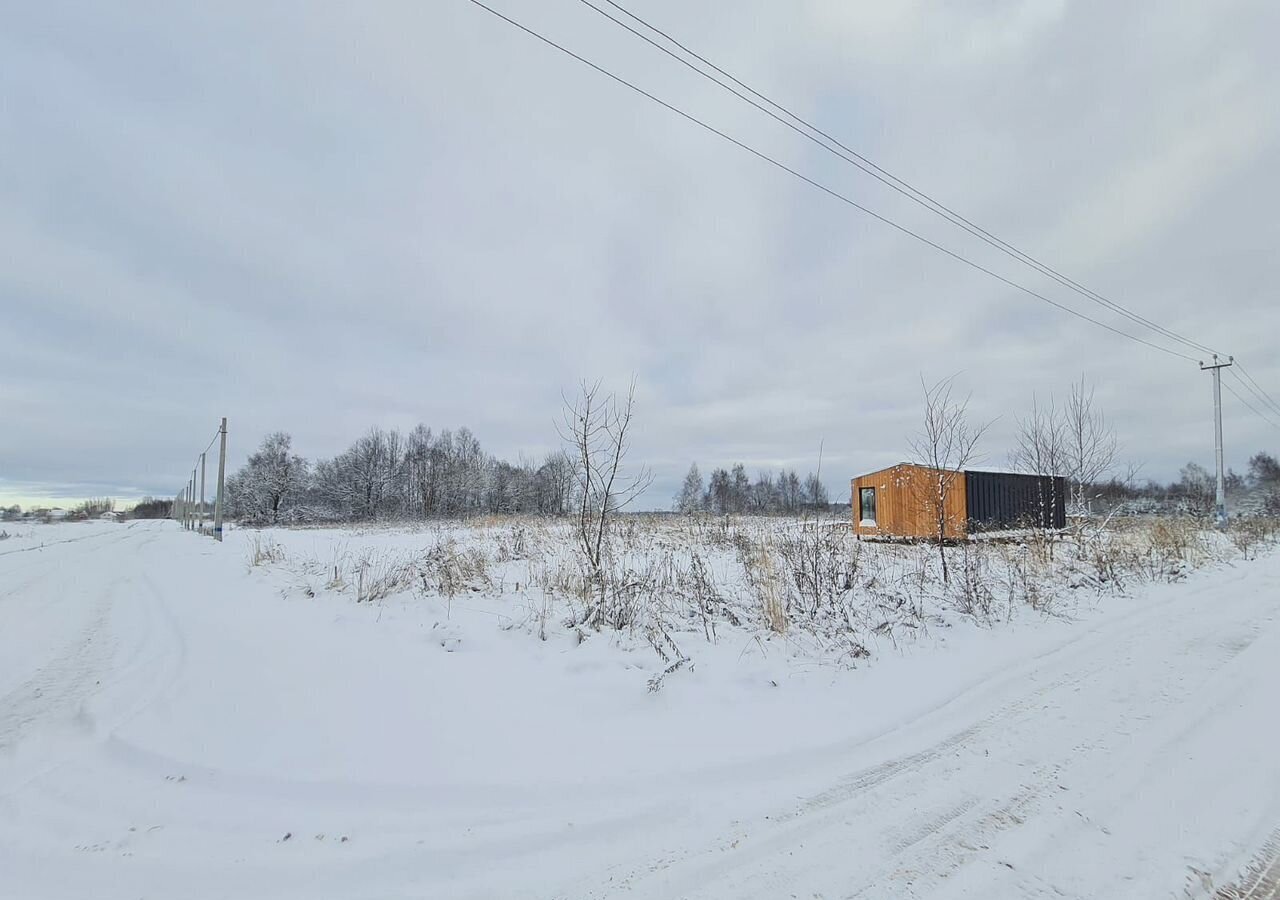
(898, 502)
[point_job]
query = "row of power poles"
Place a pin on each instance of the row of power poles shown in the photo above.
(189, 506)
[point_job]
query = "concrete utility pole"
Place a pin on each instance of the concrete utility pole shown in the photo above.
(1220, 500)
(202, 493)
(222, 471)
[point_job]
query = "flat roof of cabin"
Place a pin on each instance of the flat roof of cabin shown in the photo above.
(984, 471)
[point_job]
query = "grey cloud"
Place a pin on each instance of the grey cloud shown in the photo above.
(317, 217)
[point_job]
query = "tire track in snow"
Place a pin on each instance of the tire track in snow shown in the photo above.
(43, 571)
(964, 838)
(61, 688)
(74, 540)
(60, 685)
(1261, 877)
(934, 846)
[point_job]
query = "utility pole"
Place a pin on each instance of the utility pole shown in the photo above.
(202, 493)
(222, 471)
(1220, 499)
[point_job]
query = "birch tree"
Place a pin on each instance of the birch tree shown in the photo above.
(946, 445)
(1040, 449)
(597, 429)
(1090, 445)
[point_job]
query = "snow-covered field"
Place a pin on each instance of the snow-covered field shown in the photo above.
(176, 722)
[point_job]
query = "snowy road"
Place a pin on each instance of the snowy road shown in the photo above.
(172, 726)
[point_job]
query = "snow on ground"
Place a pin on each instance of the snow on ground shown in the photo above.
(177, 723)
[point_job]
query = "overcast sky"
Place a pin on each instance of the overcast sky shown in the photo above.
(320, 217)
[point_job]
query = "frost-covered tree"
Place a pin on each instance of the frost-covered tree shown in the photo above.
(790, 493)
(555, 484)
(1196, 487)
(270, 483)
(689, 500)
(815, 493)
(731, 492)
(719, 496)
(1264, 471)
(365, 481)
(739, 489)
(764, 494)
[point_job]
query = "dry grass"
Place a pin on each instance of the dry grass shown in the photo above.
(264, 550)
(665, 581)
(379, 575)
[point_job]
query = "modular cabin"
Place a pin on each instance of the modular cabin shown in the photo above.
(900, 502)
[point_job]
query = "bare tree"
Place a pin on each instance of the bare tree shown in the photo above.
(555, 483)
(1041, 450)
(598, 429)
(363, 481)
(1090, 446)
(947, 444)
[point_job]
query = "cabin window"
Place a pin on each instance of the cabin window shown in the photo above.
(867, 506)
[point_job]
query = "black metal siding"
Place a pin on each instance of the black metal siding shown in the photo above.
(997, 501)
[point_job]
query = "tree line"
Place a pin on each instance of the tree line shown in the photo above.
(1256, 491)
(386, 474)
(731, 491)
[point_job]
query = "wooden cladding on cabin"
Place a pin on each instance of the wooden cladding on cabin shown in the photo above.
(902, 502)
(906, 505)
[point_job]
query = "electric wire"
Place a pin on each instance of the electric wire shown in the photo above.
(1257, 389)
(1264, 418)
(822, 187)
(851, 156)
(1266, 412)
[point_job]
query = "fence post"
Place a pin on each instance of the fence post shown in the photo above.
(222, 470)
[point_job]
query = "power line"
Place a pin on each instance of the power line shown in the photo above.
(1267, 411)
(1259, 396)
(211, 440)
(851, 156)
(1257, 389)
(822, 187)
(1250, 406)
